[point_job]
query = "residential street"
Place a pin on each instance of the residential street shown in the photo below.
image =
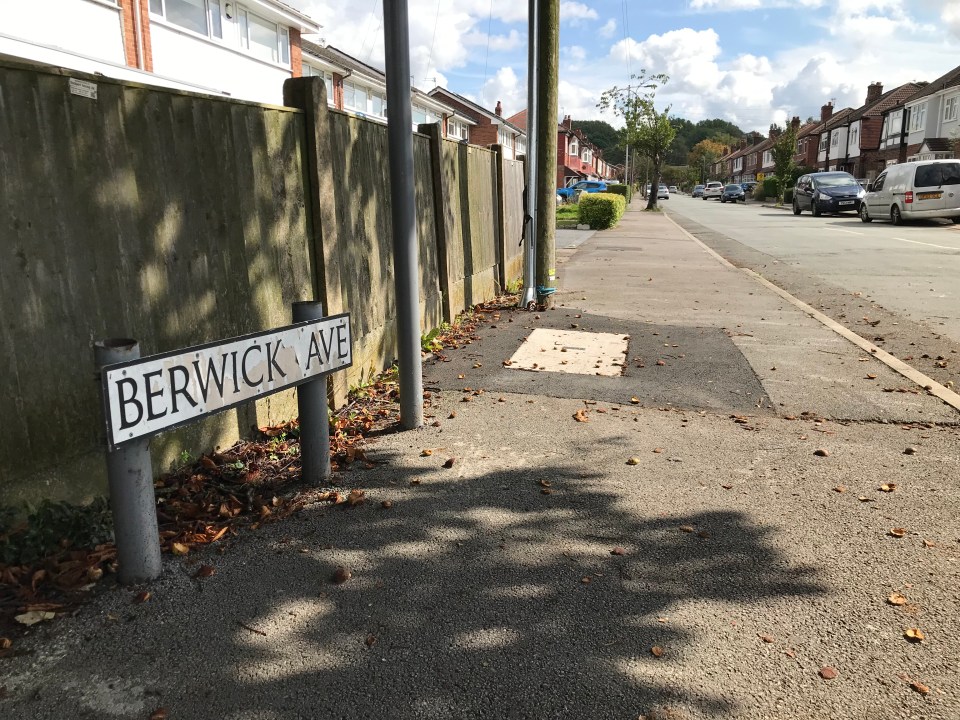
(751, 521)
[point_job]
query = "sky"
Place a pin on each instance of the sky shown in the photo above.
(752, 62)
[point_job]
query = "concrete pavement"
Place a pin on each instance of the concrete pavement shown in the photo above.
(683, 553)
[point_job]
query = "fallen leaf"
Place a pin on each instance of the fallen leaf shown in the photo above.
(452, 415)
(386, 504)
(635, 400)
(371, 640)
(618, 551)
(141, 597)
(205, 571)
(415, 481)
(355, 497)
(821, 452)
(828, 673)
(633, 460)
(585, 580)
(427, 452)
(790, 653)
(703, 534)
(929, 543)
(581, 416)
(94, 573)
(341, 574)
(914, 635)
(840, 489)
(179, 548)
(546, 491)
(920, 687)
(449, 463)
(159, 714)
(766, 638)
(871, 376)
(5, 643)
(460, 377)
(656, 651)
(898, 532)
(910, 451)
(727, 487)
(887, 487)
(686, 528)
(34, 616)
(660, 362)
(864, 498)
(896, 599)
(658, 450)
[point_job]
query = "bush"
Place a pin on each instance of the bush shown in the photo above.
(621, 190)
(771, 188)
(788, 196)
(601, 210)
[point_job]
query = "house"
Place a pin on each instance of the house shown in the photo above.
(361, 89)
(808, 141)
(485, 128)
(861, 157)
(577, 157)
(833, 139)
(933, 118)
(242, 49)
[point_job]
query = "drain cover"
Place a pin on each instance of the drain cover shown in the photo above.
(567, 351)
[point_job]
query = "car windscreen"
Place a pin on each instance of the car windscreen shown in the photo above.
(837, 180)
(937, 174)
(733, 188)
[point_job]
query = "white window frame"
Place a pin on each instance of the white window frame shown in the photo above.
(354, 87)
(834, 138)
(950, 108)
(918, 117)
(208, 33)
(310, 71)
(767, 157)
(573, 149)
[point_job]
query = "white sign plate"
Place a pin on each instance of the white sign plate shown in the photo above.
(83, 88)
(158, 392)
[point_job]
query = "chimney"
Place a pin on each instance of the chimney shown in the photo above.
(795, 123)
(567, 122)
(774, 131)
(874, 91)
(826, 111)
(498, 109)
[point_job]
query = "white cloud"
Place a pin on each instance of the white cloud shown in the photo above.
(608, 29)
(506, 88)
(576, 12)
(497, 43)
(733, 5)
(951, 18)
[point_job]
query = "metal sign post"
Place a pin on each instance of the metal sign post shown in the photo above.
(144, 396)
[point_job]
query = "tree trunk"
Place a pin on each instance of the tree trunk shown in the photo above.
(654, 184)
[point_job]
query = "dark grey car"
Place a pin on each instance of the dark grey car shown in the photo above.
(827, 192)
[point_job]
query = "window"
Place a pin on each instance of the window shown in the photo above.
(378, 105)
(950, 108)
(951, 173)
(521, 145)
(834, 138)
(419, 115)
(573, 149)
(854, 141)
(767, 157)
(878, 185)
(355, 98)
(503, 136)
(928, 176)
(310, 71)
(918, 117)
(823, 143)
(263, 38)
(190, 14)
(587, 155)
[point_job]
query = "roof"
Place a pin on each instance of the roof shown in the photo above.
(837, 119)
(939, 144)
(520, 119)
(947, 80)
(481, 111)
(889, 99)
(810, 128)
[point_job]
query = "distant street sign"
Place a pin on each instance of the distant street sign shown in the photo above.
(143, 397)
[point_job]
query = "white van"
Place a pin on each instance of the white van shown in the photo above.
(913, 191)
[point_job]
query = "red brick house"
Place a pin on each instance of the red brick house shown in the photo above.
(488, 128)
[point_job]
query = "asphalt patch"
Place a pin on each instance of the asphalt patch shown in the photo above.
(696, 368)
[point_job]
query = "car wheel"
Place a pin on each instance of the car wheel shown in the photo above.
(704, 197)
(723, 200)
(895, 217)
(814, 207)
(796, 207)
(864, 215)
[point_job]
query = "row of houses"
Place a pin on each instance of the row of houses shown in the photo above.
(915, 121)
(245, 50)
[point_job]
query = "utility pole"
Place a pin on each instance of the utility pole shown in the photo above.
(529, 299)
(547, 105)
(396, 36)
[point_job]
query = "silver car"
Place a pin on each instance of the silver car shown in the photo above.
(713, 190)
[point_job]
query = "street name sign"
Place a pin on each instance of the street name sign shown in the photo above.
(145, 396)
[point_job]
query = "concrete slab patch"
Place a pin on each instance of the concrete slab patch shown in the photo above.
(571, 351)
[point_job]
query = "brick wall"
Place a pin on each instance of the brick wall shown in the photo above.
(296, 54)
(128, 10)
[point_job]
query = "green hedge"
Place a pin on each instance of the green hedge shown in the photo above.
(620, 190)
(601, 210)
(771, 187)
(788, 196)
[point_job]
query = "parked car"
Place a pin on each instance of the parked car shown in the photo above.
(827, 192)
(733, 193)
(673, 189)
(748, 186)
(588, 186)
(697, 191)
(663, 193)
(914, 190)
(713, 189)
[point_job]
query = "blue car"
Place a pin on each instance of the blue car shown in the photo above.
(588, 186)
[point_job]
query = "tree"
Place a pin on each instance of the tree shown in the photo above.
(783, 163)
(646, 132)
(704, 154)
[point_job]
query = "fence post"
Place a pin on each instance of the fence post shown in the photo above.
(309, 94)
(441, 208)
(500, 233)
(312, 406)
(130, 477)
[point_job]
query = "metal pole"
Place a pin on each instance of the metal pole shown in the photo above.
(312, 407)
(396, 37)
(529, 299)
(130, 477)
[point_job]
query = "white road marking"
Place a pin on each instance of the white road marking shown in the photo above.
(852, 232)
(917, 242)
